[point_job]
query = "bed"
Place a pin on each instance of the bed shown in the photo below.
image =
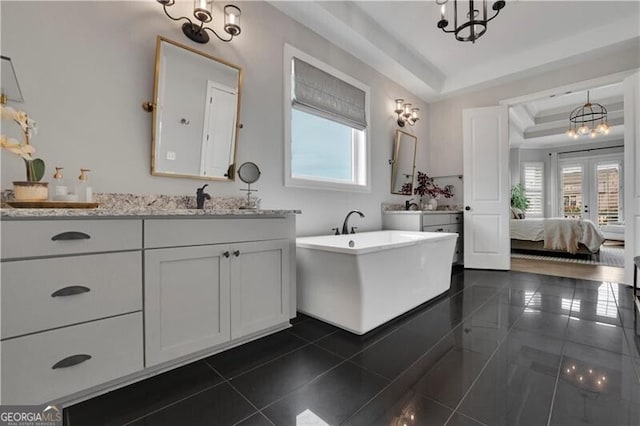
(573, 236)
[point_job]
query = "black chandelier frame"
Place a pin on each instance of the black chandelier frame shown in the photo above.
(474, 21)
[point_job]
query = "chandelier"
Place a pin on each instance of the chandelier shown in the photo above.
(203, 13)
(588, 119)
(473, 23)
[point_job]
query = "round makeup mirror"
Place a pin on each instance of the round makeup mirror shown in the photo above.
(249, 172)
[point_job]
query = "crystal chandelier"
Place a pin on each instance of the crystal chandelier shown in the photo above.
(588, 119)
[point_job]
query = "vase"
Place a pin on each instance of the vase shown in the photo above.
(30, 191)
(433, 204)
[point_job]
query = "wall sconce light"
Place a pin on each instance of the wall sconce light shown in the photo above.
(406, 114)
(203, 12)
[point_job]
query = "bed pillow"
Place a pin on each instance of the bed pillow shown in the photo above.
(516, 213)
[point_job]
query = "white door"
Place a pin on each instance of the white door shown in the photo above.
(218, 136)
(486, 188)
(590, 188)
(632, 172)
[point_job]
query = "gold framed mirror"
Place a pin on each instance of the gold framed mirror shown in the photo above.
(403, 163)
(196, 108)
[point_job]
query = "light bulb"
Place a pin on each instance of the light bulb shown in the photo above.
(593, 134)
(399, 108)
(407, 110)
(571, 132)
(583, 130)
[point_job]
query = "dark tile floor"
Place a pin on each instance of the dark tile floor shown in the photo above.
(500, 348)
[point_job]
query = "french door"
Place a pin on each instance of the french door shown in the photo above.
(592, 188)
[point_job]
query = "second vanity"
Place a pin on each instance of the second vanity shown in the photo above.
(91, 303)
(427, 221)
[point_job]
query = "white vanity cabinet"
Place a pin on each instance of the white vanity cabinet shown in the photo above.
(92, 304)
(427, 221)
(71, 306)
(229, 281)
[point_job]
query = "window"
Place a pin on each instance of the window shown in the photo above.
(326, 115)
(533, 184)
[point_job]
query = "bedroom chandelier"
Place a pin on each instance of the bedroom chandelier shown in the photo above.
(588, 119)
(406, 114)
(203, 13)
(473, 23)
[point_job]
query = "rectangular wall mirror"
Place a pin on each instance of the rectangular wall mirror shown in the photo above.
(403, 163)
(196, 104)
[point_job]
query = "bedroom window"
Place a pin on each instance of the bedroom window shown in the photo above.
(533, 184)
(326, 116)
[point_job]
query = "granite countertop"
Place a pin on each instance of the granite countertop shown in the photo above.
(140, 213)
(140, 206)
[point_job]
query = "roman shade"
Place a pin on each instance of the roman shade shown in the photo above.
(320, 93)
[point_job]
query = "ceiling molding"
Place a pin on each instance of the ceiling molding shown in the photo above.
(346, 26)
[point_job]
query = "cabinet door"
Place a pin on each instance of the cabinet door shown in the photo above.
(186, 301)
(259, 286)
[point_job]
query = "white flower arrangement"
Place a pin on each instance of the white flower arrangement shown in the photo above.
(35, 167)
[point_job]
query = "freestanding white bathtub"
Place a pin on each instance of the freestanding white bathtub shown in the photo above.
(360, 281)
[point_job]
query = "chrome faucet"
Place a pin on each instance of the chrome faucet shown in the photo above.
(345, 225)
(201, 196)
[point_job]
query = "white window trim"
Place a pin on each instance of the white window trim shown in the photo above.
(365, 160)
(542, 187)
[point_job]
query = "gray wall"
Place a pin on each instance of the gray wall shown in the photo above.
(86, 67)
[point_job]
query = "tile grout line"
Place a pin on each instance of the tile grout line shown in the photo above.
(484, 367)
(228, 381)
(424, 354)
(306, 343)
(172, 404)
(555, 385)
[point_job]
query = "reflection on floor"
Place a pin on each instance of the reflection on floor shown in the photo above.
(571, 270)
(501, 348)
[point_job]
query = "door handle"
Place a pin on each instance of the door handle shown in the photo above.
(467, 208)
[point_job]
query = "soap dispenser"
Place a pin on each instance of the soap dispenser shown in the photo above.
(60, 190)
(84, 191)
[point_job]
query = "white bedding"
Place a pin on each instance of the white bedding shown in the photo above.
(534, 230)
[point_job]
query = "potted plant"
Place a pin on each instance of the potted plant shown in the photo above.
(31, 189)
(426, 186)
(518, 200)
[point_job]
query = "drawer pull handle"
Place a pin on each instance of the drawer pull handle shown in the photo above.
(71, 291)
(70, 361)
(236, 253)
(440, 230)
(71, 235)
(225, 254)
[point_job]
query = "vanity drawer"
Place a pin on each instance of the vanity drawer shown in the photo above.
(188, 232)
(41, 294)
(436, 219)
(55, 237)
(443, 228)
(32, 371)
